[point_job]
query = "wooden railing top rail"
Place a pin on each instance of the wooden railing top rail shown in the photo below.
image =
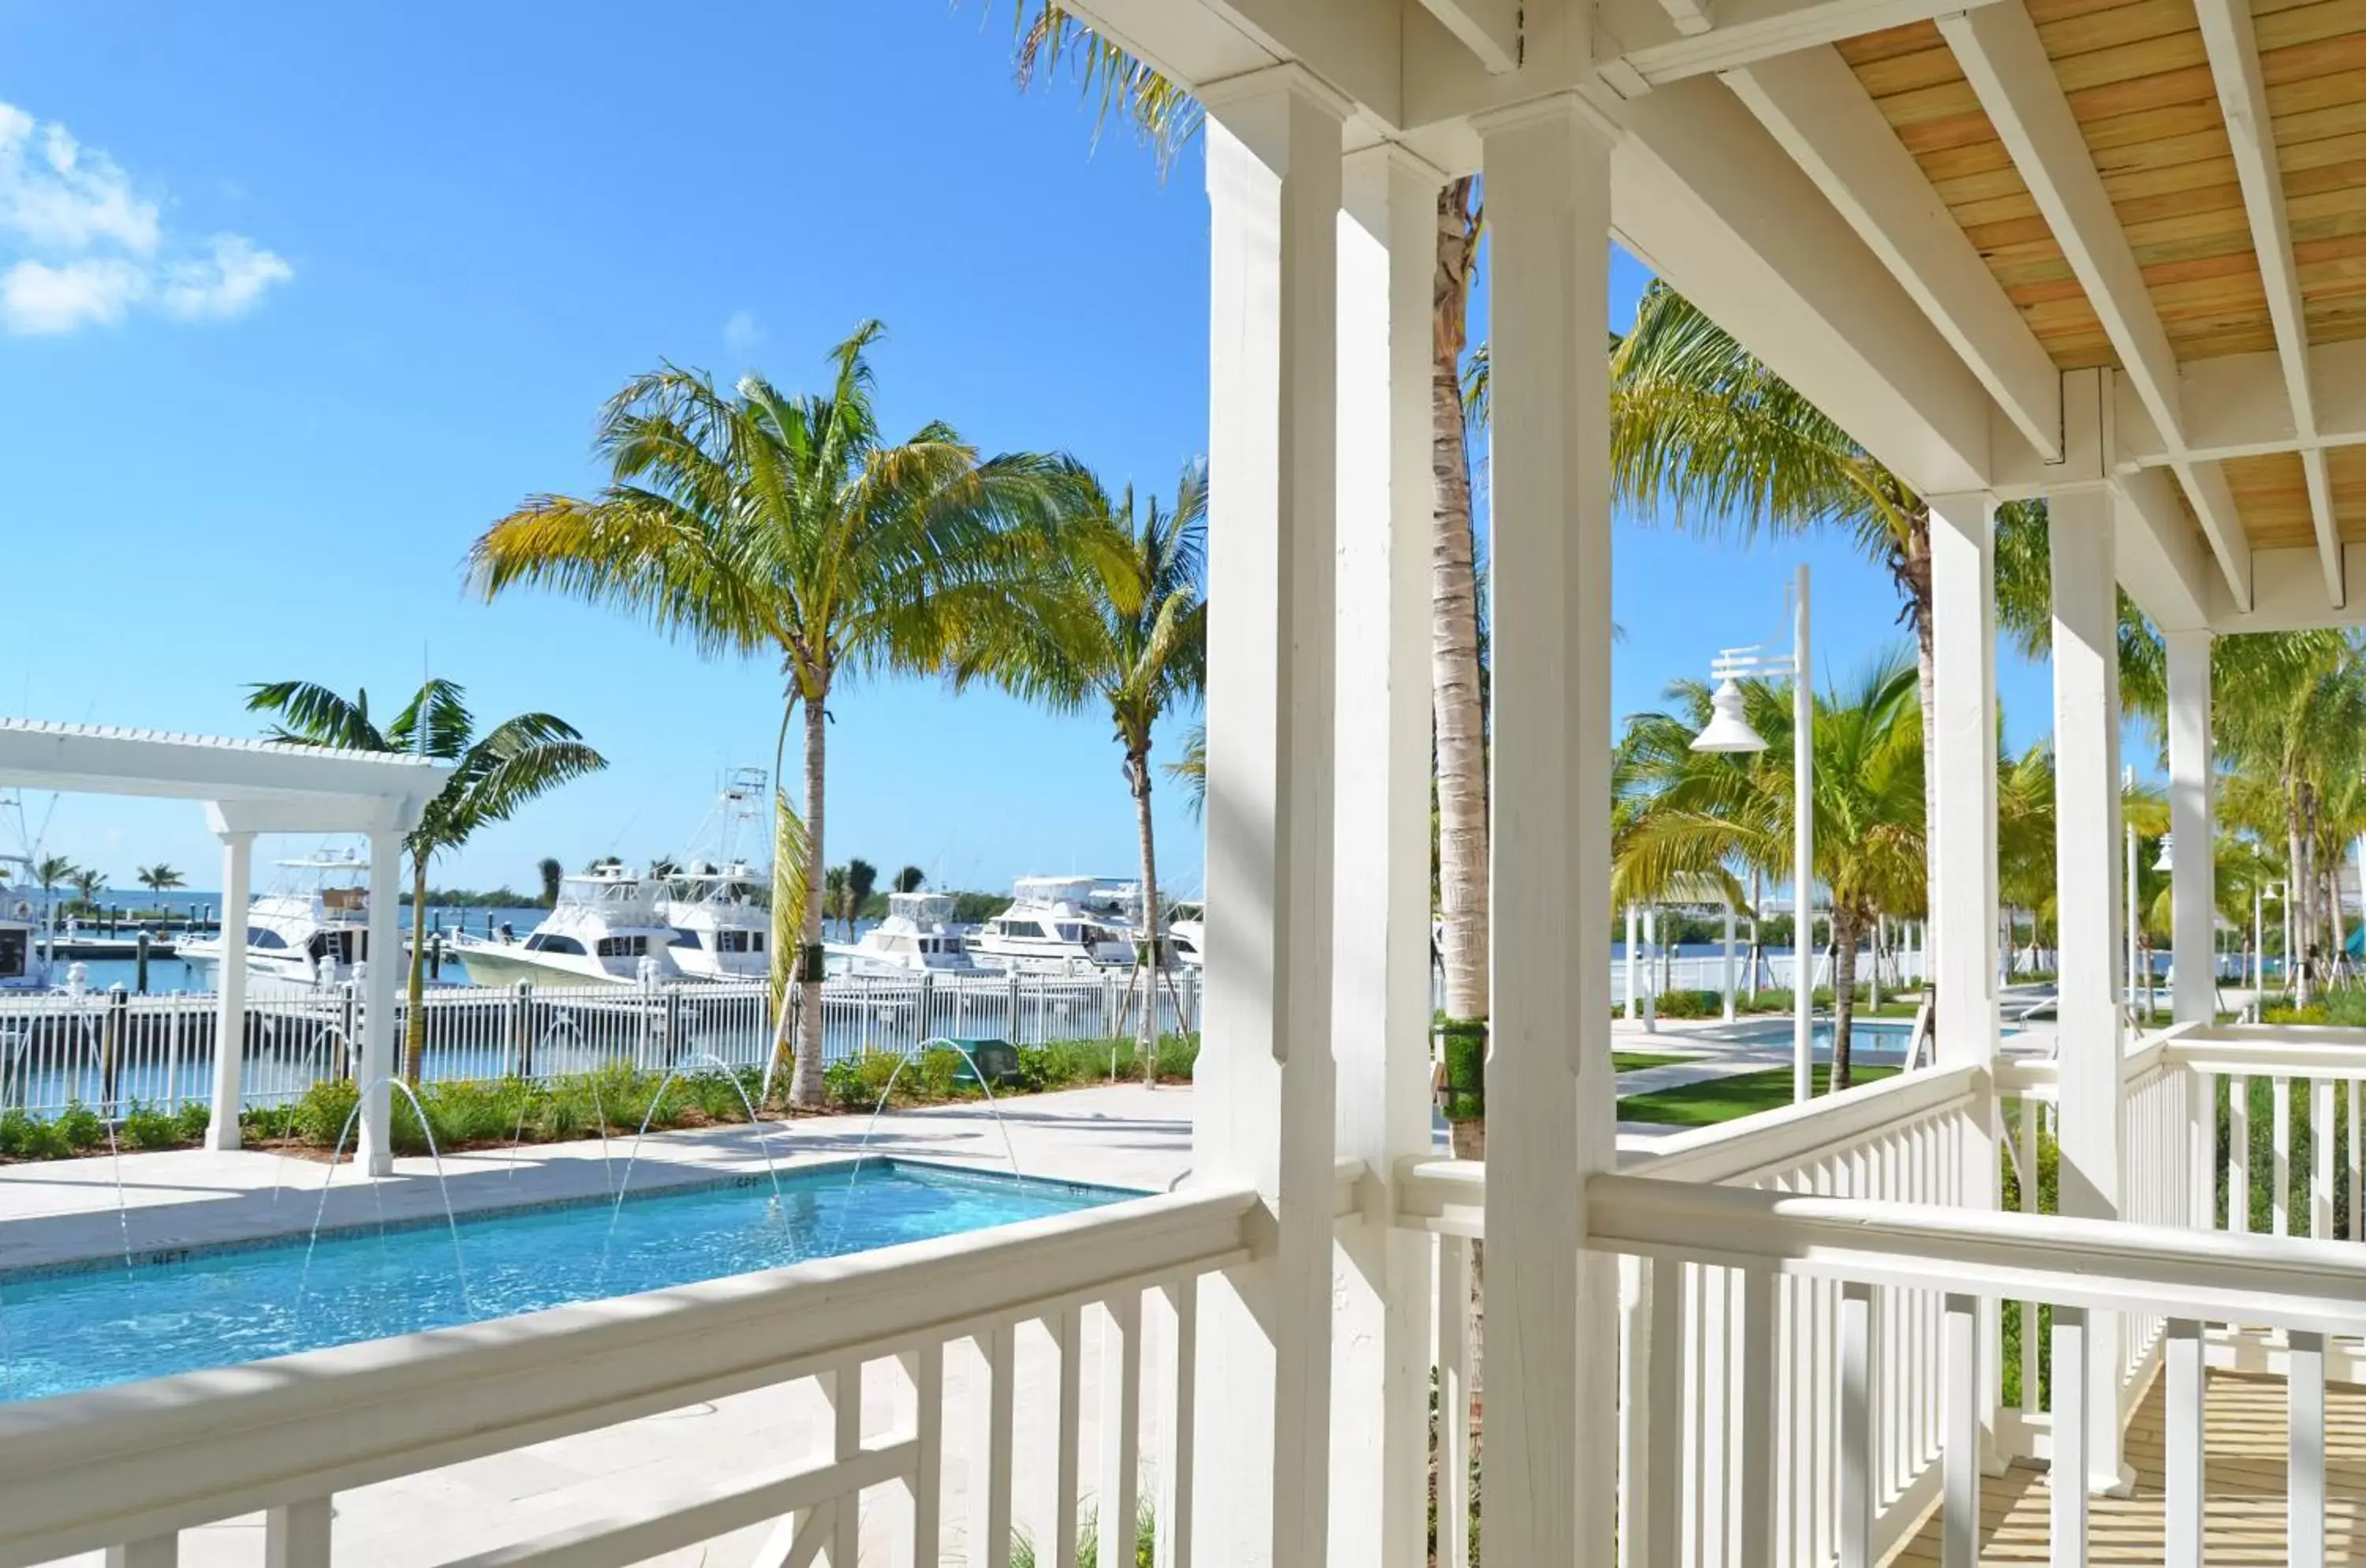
(2287, 1050)
(91, 1469)
(2112, 1265)
(1796, 1135)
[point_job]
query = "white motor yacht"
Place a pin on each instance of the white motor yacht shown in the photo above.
(608, 928)
(23, 966)
(1061, 925)
(308, 930)
(918, 937)
(1187, 941)
(717, 903)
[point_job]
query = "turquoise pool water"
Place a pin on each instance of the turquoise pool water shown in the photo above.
(85, 1329)
(1870, 1039)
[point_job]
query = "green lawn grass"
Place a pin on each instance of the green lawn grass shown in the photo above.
(1724, 1100)
(1635, 1061)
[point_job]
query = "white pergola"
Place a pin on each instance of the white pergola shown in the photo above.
(250, 787)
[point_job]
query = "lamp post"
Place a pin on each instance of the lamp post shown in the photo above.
(1729, 731)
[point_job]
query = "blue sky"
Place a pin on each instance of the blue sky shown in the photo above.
(317, 292)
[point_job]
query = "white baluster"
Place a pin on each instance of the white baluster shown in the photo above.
(2068, 1482)
(156, 1551)
(2181, 1494)
(1754, 1434)
(298, 1535)
(1856, 1450)
(1067, 1435)
(1174, 1543)
(1960, 1515)
(1454, 1400)
(1661, 1478)
(2279, 1196)
(2238, 1154)
(993, 1365)
(1121, 1479)
(924, 1377)
(844, 1388)
(2321, 1133)
(2304, 1491)
(2356, 1221)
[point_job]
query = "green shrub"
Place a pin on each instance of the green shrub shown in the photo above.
(144, 1128)
(318, 1118)
(16, 1132)
(192, 1120)
(856, 1083)
(81, 1128)
(47, 1140)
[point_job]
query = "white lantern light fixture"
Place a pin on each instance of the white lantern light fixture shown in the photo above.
(1728, 729)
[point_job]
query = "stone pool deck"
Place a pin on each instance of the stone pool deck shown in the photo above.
(1119, 1135)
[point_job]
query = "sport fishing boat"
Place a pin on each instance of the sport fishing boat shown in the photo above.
(916, 937)
(23, 966)
(1062, 925)
(311, 930)
(608, 928)
(717, 903)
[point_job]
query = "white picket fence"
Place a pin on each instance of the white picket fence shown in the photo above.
(111, 1051)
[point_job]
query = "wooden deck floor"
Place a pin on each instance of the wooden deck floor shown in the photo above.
(2244, 1477)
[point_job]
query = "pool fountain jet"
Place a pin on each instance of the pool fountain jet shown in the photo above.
(599, 1108)
(771, 1167)
(968, 1054)
(459, 1264)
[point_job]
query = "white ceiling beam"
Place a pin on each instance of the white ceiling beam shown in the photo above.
(2233, 47)
(2155, 556)
(1640, 46)
(1703, 194)
(2288, 593)
(1814, 106)
(1488, 28)
(1690, 17)
(2005, 62)
(2237, 405)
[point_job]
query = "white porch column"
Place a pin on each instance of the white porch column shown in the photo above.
(2087, 886)
(1263, 1112)
(1552, 1418)
(1962, 955)
(230, 996)
(375, 1150)
(2194, 829)
(1380, 1020)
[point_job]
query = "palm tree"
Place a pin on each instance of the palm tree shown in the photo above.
(1191, 769)
(1686, 817)
(1167, 117)
(756, 522)
(861, 876)
(160, 878)
(833, 892)
(911, 879)
(552, 875)
(492, 776)
(52, 871)
(1117, 621)
(88, 886)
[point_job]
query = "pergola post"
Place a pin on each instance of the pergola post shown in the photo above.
(1263, 1108)
(375, 1150)
(2194, 831)
(229, 993)
(1552, 1392)
(2087, 893)
(1381, 1004)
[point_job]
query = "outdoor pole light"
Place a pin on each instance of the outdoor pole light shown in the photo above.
(1728, 730)
(2168, 858)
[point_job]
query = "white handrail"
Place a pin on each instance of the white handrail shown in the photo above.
(1796, 1135)
(144, 1459)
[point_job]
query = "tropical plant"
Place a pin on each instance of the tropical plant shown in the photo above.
(52, 871)
(552, 873)
(1115, 620)
(861, 876)
(88, 886)
(1167, 117)
(911, 879)
(160, 878)
(1686, 819)
(754, 523)
(833, 893)
(492, 776)
(1191, 769)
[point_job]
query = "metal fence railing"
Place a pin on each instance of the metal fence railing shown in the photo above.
(112, 1051)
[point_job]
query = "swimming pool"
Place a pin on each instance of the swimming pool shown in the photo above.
(1870, 1038)
(91, 1326)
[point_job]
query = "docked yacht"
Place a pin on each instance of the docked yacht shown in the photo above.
(23, 966)
(1061, 925)
(311, 930)
(718, 905)
(721, 921)
(608, 928)
(916, 937)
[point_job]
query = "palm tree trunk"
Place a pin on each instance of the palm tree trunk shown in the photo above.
(2296, 895)
(1455, 676)
(1138, 767)
(1844, 924)
(805, 1084)
(414, 1034)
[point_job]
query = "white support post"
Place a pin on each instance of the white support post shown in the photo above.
(1960, 1407)
(230, 997)
(1727, 1012)
(1634, 963)
(2304, 1442)
(2194, 893)
(2074, 1423)
(1552, 1415)
(2087, 896)
(1380, 1000)
(2181, 1493)
(1262, 1113)
(1959, 951)
(1858, 1476)
(380, 1043)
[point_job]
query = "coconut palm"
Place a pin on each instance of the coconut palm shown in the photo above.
(50, 873)
(1191, 769)
(861, 876)
(88, 886)
(552, 874)
(1686, 819)
(494, 775)
(1116, 621)
(911, 879)
(160, 878)
(755, 523)
(833, 893)
(1167, 117)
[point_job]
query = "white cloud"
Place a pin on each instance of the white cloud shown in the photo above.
(741, 331)
(81, 246)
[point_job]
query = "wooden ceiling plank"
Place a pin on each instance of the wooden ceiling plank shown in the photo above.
(2007, 65)
(2227, 32)
(1819, 113)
